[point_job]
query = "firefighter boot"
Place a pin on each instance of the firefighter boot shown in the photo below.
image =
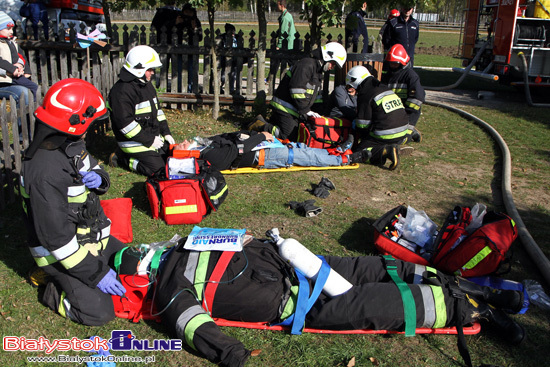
(506, 299)
(258, 124)
(390, 152)
(510, 330)
(362, 156)
(55, 299)
(416, 136)
(113, 158)
(38, 277)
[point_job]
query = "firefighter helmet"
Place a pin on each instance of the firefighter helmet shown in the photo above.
(141, 58)
(394, 13)
(398, 54)
(356, 75)
(333, 51)
(70, 106)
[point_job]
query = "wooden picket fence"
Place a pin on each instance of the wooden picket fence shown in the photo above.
(56, 59)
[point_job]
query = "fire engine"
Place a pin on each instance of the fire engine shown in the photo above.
(504, 32)
(82, 15)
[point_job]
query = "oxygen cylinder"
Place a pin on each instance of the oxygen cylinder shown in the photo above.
(304, 260)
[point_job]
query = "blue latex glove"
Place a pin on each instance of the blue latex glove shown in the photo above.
(91, 179)
(109, 284)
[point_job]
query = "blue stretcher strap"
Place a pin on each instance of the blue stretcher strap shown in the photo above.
(290, 160)
(409, 306)
(303, 303)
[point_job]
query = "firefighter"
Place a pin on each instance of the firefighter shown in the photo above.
(381, 124)
(139, 123)
(400, 76)
(68, 231)
(299, 89)
(258, 285)
(393, 14)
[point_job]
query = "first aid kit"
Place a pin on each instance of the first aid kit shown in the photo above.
(195, 189)
(466, 245)
(324, 132)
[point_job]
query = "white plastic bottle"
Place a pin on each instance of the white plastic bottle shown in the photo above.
(304, 260)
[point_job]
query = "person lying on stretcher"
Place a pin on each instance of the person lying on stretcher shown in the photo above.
(246, 149)
(258, 285)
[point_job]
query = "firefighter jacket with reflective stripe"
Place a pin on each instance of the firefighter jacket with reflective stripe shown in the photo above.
(258, 285)
(68, 226)
(299, 88)
(405, 82)
(404, 33)
(252, 288)
(380, 113)
(226, 148)
(136, 114)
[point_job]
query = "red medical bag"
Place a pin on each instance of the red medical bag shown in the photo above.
(324, 132)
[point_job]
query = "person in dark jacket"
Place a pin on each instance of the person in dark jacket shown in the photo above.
(355, 28)
(69, 234)
(343, 102)
(231, 64)
(381, 124)
(399, 75)
(244, 149)
(258, 285)
(139, 123)
(299, 89)
(403, 30)
(166, 16)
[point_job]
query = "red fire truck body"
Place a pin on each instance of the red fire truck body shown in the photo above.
(510, 28)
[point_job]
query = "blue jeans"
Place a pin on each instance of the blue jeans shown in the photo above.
(303, 156)
(17, 91)
(39, 13)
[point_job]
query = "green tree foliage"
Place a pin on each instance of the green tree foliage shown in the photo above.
(319, 14)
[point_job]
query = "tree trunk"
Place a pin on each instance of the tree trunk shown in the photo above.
(314, 28)
(216, 107)
(107, 14)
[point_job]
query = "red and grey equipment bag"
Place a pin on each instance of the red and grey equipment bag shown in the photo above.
(455, 251)
(480, 253)
(324, 132)
(187, 200)
(384, 231)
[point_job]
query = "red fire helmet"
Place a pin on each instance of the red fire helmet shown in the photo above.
(70, 106)
(398, 54)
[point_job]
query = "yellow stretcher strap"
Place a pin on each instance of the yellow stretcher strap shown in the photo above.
(286, 169)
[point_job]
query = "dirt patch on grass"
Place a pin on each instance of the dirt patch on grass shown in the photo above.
(436, 50)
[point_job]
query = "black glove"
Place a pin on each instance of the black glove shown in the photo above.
(323, 187)
(306, 208)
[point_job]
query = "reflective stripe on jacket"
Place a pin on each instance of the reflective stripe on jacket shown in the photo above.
(66, 222)
(136, 114)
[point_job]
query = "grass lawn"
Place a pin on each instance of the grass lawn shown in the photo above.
(456, 164)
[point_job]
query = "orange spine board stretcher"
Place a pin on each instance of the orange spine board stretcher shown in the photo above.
(475, 328)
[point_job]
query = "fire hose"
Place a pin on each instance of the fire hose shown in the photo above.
(526, 84)
(529, 244)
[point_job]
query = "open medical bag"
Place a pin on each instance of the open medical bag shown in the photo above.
(481, 252)
(189, 197)
(137, 269)
(454, 250)
(324, 132)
